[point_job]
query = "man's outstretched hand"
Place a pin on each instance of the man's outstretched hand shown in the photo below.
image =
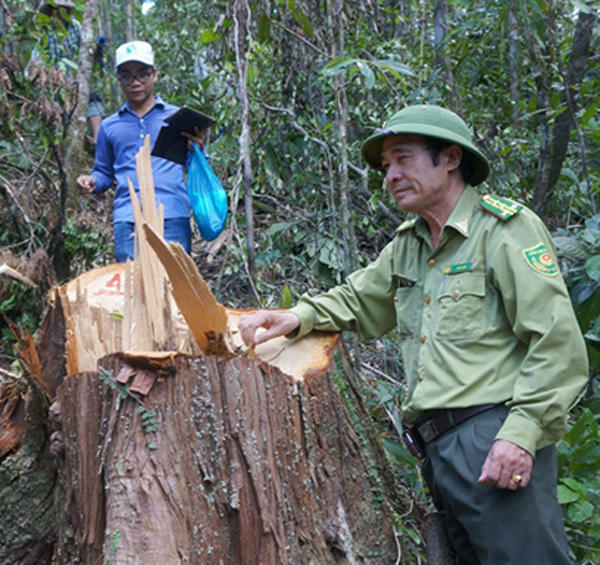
(275, 323)
(86, 184)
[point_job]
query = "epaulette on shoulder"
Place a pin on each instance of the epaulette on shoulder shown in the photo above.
(503, 208)
(405, 226)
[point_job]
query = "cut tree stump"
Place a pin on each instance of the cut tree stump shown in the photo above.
(268, 458)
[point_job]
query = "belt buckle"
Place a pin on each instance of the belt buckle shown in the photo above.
(428, 431)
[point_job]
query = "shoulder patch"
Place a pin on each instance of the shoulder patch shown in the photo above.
(540, 260)
(404, 226)
(502, 208)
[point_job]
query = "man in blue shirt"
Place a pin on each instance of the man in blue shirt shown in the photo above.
(119, 140)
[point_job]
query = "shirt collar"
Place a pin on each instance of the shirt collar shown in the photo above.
(460, 217)
(158, 103)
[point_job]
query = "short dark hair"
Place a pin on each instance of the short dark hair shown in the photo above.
(435, 146)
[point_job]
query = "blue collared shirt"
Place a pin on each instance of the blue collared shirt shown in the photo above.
(119, 140)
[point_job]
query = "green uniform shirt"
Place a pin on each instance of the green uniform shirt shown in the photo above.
(484, 318)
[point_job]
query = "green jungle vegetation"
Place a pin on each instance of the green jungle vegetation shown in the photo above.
(295, 86)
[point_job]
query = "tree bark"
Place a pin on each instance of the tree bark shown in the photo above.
(105, 12)
(337, 20)
(241, 11)
(247, 465)
(512, 58)
(440, 49)
(564, 122)
(75, 154)
(129, 20)
(28, 479)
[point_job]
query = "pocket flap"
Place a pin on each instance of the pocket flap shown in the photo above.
(463, 284)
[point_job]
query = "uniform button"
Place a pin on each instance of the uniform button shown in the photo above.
(456, 293)
(395, 299)
(427, 300)
(422, 339)
(420, 378)
(431, 262)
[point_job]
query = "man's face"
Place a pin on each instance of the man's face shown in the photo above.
(417, 185)
(137, 81)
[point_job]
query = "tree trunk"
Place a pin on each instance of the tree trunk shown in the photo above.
(76, 133)
(440, 48)
(113, 43)
(27, 479)
(241, 11)
(129, 20)
(564, 122)
(512, 59)
(337, 20)
(246, 465)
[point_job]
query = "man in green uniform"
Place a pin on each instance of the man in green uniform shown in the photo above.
(492, 350)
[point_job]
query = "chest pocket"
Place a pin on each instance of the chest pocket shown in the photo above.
(462, 306)
(408, 299)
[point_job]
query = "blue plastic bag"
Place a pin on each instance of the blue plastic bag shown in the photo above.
(207, 196)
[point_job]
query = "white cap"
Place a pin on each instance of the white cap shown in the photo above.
(139, 51)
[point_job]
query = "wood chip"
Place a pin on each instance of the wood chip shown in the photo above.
(143, 382)
(125, 374)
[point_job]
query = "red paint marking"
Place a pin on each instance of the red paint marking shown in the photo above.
(115, 283)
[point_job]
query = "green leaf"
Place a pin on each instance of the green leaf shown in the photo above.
(366, 71)
(592, 268)
(398, 452)
(394, 67)
(68, 63)
(569, 174)
(115, 315)
(589, 113)
(43, 18)
(338, 65)
(566, 495)
(278, 227)
(264, 28)
(574, 485)
(580, 512)
(209, 37)
(304, 23)
(286, 299)
(569, 245)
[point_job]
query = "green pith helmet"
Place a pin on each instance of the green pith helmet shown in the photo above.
(431, 121)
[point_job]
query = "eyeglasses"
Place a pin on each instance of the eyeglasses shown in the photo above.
(126, 78)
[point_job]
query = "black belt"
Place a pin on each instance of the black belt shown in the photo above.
(439, 424)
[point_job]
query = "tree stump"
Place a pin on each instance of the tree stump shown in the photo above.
(228, 458)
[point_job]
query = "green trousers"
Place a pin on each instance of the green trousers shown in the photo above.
(490, 526)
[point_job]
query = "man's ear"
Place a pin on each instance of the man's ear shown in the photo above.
(453, 155)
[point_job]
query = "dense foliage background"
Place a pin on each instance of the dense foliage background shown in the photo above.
(295, 87)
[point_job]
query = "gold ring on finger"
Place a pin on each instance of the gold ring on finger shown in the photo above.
(516, 479)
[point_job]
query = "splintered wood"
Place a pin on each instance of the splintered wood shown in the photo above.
(159, 305)
(206, 318)
(125, 307)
